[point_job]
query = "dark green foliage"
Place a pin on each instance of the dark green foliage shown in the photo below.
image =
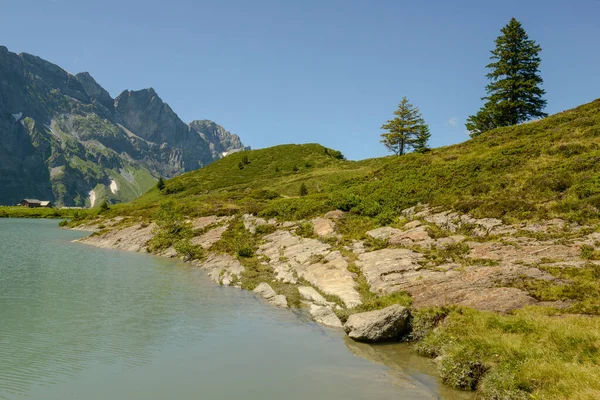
(406, 131)
(303, 189)
(295, 168)
(160, 185)
(514, 93)
(241, 165)
(245, 251)
(245, 160)
(335, 154)
(104, 206)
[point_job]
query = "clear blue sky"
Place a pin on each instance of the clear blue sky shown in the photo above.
(327, 71)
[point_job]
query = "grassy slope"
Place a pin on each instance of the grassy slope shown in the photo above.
(539, 170)
(543, 169)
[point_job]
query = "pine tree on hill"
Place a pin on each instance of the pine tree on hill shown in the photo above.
(407, 131)
(514, 93)
(160, 184)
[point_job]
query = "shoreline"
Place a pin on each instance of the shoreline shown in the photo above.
(303, 264)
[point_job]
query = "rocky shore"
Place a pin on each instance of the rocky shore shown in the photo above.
(438, 257)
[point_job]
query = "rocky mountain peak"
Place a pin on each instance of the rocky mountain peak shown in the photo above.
(63, 137)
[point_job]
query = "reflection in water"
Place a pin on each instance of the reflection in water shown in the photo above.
(85, 323)
(409, 368)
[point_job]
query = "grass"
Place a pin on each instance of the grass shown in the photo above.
(578, 285)
(24, 212)
(528, 355)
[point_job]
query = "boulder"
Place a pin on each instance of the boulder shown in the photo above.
(265, 291)
(336, 214)
(412, 224)
(379, 325)
(323, 227)
(325, 316)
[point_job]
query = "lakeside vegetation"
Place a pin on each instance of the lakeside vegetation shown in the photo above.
(40, 212)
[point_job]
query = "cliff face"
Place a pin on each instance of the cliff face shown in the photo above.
(65, 139)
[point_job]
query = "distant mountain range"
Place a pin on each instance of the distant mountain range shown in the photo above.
(64, 138)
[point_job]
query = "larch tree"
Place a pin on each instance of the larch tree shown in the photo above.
(406, 131)
(514, 93)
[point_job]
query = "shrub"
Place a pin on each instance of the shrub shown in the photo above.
(295, 168)
(245, 251)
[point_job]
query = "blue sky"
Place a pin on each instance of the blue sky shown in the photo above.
(328, 71)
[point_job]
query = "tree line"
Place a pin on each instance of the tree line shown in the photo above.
(514, 95)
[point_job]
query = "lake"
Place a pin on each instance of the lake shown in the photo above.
(78, 322)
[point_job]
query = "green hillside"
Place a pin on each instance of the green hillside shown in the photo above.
(538, 170)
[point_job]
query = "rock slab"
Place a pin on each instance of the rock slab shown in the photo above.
(379, 325)
(265, 291)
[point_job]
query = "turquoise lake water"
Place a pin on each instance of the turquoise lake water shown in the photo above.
(78, 322)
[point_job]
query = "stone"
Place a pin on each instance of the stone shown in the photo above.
(293, 257)
(221, 268)
(386, 269)
(203, 222)
(310, 294)
(384, 233)
(325, 316)
(209, 238)
(251, 222)
(323, 227)
(417, 234)
(265, 291)
(336, 214)
(131, 238)
(379, 325)
(412, 224)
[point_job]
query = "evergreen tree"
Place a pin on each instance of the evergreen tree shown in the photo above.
(303, 189)
(514, 93)
(421, 139)
(104, 206)
(408, 130)
(160, 185)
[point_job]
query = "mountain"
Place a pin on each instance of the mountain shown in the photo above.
(64, 138)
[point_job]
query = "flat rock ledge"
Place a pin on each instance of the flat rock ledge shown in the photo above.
(379, 325)
(324, 315)
(265, 291)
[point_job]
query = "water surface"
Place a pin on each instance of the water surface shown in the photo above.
(78, 322)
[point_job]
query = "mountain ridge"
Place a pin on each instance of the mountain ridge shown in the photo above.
(63, 136)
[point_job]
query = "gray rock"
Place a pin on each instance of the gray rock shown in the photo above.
(265, 291)
(325, 315)
(310, 294)
(221, 268)
(336, 214)
(323, 227)
(412, 224)
(379, 325)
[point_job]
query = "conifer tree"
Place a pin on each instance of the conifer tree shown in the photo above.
(421, 139)
(160, 185)
(406, 131)
(514, 93)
